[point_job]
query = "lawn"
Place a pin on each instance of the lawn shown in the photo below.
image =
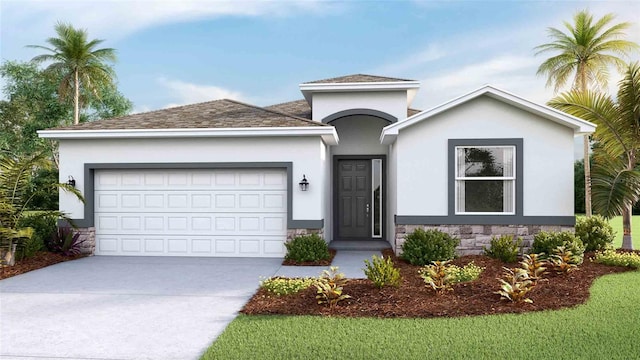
(616, 223)
(605, 327)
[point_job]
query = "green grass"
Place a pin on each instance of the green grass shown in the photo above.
(606, 327)
(616, 224)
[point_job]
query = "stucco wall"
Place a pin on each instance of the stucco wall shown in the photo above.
(308, 155)
(359, 135)
(422, 179)
(393, 103)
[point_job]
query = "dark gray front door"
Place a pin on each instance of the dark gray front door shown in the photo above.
(354, 199)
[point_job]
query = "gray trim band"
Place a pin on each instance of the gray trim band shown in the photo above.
(485, 220)
(518, 143)
(89, 191)
(351, 112)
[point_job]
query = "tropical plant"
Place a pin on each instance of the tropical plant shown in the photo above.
(382, 272)
(515, 284)
(615, 177)
(81, 64)
(585, 51)
(504, 248)
(534, 265)
(330, 287)
(565, 260)
(423, 247)
(15, 176)
(441, 276)
(65, 241)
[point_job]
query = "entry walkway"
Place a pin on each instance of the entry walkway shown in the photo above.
(349, 262)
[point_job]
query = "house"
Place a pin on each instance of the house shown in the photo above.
(350, 161)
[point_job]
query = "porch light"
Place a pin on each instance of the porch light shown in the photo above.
(304, 184)
(71, 181)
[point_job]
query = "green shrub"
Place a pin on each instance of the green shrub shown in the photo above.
(613, 258)
(504, 248)
(307, 248)
(286, 286)
(43, 229)
(595, 233)
(329, 287)
(424, 247)
(382, 272)
(548, 242)
(466, 273)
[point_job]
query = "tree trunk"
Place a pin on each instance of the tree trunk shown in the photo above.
(76, 99)
(587, 177)
(627, 242)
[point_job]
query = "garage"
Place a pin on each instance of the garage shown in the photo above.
(190, 212)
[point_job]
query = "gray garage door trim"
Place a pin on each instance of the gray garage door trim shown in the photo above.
(89, 171)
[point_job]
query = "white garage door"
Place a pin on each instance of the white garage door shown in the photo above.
(191, 212)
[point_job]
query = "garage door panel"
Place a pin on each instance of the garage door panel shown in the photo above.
(199, 223)
(191, 212)
(191, 179)
(232, 246)
(190, 201)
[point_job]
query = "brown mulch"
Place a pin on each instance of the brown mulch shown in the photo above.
(414, 299)
(332, 254)
(40, 260)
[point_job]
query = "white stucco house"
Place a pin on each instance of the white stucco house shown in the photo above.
(224, 178)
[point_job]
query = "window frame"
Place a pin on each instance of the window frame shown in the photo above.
(459, 179)
(484, 218)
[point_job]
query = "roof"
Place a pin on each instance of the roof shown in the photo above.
(223, 113)
(579, 126)
(301, 108)
(356, 78)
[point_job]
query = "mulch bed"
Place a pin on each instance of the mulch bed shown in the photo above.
(40, 260)
(332, 254)
(414, 299)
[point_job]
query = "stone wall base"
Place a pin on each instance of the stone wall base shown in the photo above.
(292, 233)
(88, 247)
(473, 238)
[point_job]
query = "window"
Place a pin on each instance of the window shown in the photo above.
(376, 197)
(485, 180)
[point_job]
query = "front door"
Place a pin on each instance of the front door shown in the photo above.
(354, 199)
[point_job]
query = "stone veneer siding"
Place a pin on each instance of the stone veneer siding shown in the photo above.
(292, 233)
(89, 236)
(473, 238)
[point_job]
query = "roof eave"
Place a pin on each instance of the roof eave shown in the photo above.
(579, 126)
(327, 133)
(308, 89)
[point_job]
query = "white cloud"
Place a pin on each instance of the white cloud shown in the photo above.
(432, 53)
(190, 93)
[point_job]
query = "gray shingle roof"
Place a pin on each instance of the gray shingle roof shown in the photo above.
(298, 108)
(212, 114)
(357, 78)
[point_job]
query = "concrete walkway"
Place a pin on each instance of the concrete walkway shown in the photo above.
(134, 307)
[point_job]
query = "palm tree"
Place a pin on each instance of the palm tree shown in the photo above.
(585, 52)
(616, 175)
(79, 63)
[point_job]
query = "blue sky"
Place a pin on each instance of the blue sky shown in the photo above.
(179, 52)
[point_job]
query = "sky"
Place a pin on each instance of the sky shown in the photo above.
(180, 52)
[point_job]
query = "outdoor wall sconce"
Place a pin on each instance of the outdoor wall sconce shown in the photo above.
(304, 184)
(71, 181)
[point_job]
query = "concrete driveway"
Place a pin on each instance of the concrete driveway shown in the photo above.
(125, 307)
